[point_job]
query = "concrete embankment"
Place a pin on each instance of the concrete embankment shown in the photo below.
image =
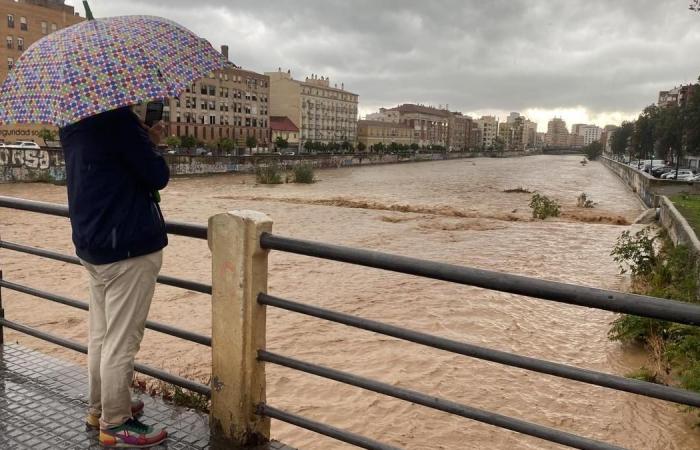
(23, 165)
(647, 187)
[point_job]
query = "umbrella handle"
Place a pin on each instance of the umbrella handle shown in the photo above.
(88, 12)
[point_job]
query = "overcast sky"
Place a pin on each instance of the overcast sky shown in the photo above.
(596, 61)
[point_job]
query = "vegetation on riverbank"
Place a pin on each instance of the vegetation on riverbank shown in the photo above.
(303, 173)
(543, 207)
(268, 174)
(689, 206)
(660, 269)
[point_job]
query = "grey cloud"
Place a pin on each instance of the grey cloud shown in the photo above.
(474, 55)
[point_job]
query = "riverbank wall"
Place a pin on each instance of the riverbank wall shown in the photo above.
(679, 230)
(648, 188)
(48, 165)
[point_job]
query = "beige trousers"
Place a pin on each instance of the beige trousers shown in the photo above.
(120, 297)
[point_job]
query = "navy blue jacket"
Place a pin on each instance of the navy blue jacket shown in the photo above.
(112, 169)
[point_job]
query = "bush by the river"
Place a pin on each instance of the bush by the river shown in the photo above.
(593, 150)
(268, 174)
(543, 207)
(304, 173)
(662, 270)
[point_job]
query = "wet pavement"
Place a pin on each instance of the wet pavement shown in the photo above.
(43, 403)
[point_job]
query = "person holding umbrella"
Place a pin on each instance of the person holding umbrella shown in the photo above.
(84, 79)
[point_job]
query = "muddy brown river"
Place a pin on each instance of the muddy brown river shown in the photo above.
(451, 211)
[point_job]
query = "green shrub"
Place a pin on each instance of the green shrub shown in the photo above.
(543, 207)
(304, 173)
(635, 253)
(643, 374)
(268, 174)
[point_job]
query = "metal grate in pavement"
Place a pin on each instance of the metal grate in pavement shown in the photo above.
(43, 403)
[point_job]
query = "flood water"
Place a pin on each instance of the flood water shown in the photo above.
(451, 211)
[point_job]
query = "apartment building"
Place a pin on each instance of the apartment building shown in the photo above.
(488, 130)
(322, 112)
(459, 129)
(679, 95)
(24, 22)
(230, 103)
(557, 134)
(513, 133)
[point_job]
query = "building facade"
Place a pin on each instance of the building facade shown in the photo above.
(678, 96)
(323, 113)
(488, 131)
(372, 132)
(385, 115)
(24, 22)
(459, 129)
(283, 127)
(557, 134)
(231, 103)
(430, 125)
(513, 133)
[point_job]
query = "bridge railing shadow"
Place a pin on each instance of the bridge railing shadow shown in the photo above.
(240, 242)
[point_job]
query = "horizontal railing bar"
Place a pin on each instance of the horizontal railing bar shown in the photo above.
(162, 279)
(533, 364)
(639, 305)
(142, 368)
(321, 428)
(155, 326)
(56, 209)
(520, 426)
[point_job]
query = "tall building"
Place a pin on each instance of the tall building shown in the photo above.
(530, 134)
(230, 103)
(322, 112)
(430, 125)
(27, 21)
(459, 129)
(515, 133)
(590, 133)
(372, 132)
(488, 130)
(605, 138)
(557, 134)
(679, 95)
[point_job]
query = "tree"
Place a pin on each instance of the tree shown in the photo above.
(692, 122)
(226, 145)
(308, 146)
(173, 142)
(188, 141)
(393, 148)
(378, 147)
(346, 146)
(620, 138)
(499, 144)
(671, 132)
(645, 132)
(251, 142)
(281, 143)
(361, 147)
(593, 150)
(414, 147)
(47, 135)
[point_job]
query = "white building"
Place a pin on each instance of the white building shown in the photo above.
(385, 115)
(488, 127)
(590, 133)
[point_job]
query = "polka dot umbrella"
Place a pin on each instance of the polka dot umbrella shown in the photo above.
(103, 64)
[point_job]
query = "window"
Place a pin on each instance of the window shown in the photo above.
(203, 89)
(10, 63)
(203, 105)
(23, 23)
(53, 27)
(10, 21)
(44, 28)
(212, 106)
(212, 90)
(9, 42)
(20, 44)
(212, 120)
(247, 121)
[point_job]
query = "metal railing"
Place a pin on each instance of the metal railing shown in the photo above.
(639, 305)
(240, 242)
(176, 228)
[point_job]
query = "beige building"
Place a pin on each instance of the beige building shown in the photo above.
(230, 103)
(513, 133)
(283, 127)
(322, 112)
(25, 22)
(488, 128)
(371, 132)
(459, 129)
(385, 115)
(557, 134)
(429, 124)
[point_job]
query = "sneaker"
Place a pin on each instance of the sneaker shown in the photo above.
(133, 434)
(93, 422)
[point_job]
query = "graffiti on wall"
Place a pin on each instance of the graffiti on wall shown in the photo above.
(31, 165)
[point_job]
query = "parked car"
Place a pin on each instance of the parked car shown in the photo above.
(683, 175)
(199, 151)
(658, 171)
(288, 153)
(31, 145)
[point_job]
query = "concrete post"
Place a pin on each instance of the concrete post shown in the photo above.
(239, 274)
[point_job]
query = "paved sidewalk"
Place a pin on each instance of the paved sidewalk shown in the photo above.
(43, 404)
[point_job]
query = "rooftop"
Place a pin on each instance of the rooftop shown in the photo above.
(282, 123)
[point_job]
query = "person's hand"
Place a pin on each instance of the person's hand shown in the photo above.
(155, 132)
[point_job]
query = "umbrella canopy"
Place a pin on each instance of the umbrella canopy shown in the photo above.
(103, 64)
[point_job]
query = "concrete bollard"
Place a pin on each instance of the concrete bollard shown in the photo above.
(239, 273)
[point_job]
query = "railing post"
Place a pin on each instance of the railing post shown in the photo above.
(239, 273)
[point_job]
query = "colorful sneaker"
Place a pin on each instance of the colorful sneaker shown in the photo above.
(133, 434)
(93, 422)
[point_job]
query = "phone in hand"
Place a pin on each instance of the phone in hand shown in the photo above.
(154, 112)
